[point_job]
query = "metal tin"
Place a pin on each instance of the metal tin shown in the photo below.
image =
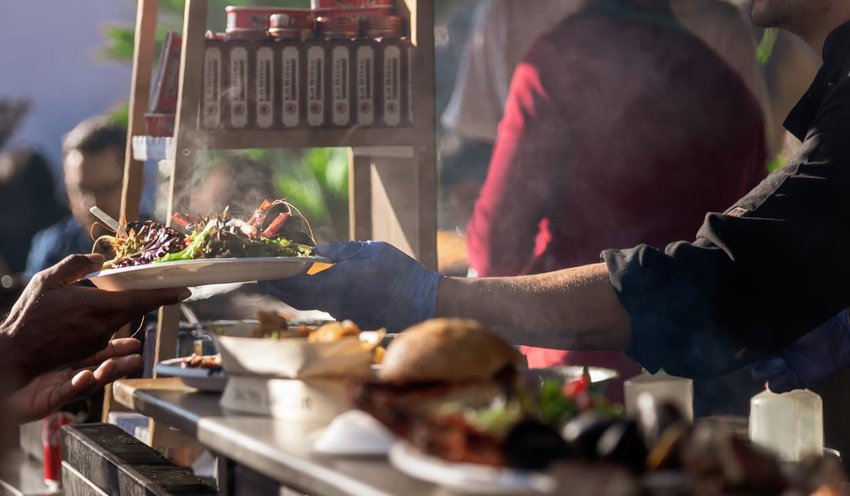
(383, 26)
(292, 25)
(256, 18)
(337, 28)
(333, 4)
(302, 19)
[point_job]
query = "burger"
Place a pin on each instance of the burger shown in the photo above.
(450, 387)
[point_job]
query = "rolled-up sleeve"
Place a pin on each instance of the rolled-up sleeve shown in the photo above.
(760, 275)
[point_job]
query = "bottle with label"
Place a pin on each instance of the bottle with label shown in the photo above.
(661, 387)
(789, 424)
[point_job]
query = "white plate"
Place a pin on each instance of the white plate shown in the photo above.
(202, 379)
(465, 477)
(201, 272)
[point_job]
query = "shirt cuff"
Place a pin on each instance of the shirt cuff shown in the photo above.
(668, 296)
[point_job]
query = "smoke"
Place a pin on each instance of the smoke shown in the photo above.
(214, 180)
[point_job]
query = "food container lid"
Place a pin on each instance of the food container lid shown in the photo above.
(263, 10)
(256, 17)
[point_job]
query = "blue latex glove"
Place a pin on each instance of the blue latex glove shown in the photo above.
(372, 283)
(811, 359)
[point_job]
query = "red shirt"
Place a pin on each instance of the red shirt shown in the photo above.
(619, 129)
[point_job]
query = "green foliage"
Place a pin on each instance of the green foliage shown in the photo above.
(120, 115)
(318, 186)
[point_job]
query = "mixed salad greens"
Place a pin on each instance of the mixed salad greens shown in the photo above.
(276, 229)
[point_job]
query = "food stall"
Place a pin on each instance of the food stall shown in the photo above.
(276, 410)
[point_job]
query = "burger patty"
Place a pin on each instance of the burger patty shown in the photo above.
(412, 413)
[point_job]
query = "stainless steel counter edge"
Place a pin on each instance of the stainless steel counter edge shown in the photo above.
(277, 449)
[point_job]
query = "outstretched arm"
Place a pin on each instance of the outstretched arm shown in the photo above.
(376, 285)
(574, 309)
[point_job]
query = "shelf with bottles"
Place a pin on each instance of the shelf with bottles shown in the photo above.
(331, 88)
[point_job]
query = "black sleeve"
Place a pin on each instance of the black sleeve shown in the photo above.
(758, 276)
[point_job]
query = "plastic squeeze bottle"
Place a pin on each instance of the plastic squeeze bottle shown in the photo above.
(663, 388)
(788, 424)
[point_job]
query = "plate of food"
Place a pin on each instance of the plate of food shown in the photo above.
(202, 272)
(202, 372)
(468, 477)
(274, 243)
(451, 391)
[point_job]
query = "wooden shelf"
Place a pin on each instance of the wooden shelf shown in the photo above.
(392, 171)
(161, 148)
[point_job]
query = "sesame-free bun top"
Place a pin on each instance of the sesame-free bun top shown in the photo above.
(451, 350)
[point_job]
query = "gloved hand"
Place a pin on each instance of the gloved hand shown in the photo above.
(809, 360)
(372, 283)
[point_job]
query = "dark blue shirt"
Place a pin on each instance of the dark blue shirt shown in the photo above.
(51, 245)
(766, 271)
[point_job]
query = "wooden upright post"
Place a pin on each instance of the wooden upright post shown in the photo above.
(145, 43)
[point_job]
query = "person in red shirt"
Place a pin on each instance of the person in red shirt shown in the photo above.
(621, 127)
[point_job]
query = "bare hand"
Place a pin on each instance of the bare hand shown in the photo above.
(51, 390)
(54, 324)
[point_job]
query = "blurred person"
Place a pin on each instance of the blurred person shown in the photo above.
(93, 167)
(756, 280)
(613, 144)
(502, 34)
(240, 183)
(789, 65)
(29, 201)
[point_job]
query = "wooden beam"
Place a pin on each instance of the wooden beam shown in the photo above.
(145, 44)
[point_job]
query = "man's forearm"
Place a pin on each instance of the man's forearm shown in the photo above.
(569, 309)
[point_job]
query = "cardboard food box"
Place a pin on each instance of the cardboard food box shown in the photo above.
(294, 358)
(315, 400)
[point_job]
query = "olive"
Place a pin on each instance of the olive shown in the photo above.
(583, 433)
(532, 445)
(623, 444)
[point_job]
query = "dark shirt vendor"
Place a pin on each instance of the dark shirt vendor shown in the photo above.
(758, 277)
